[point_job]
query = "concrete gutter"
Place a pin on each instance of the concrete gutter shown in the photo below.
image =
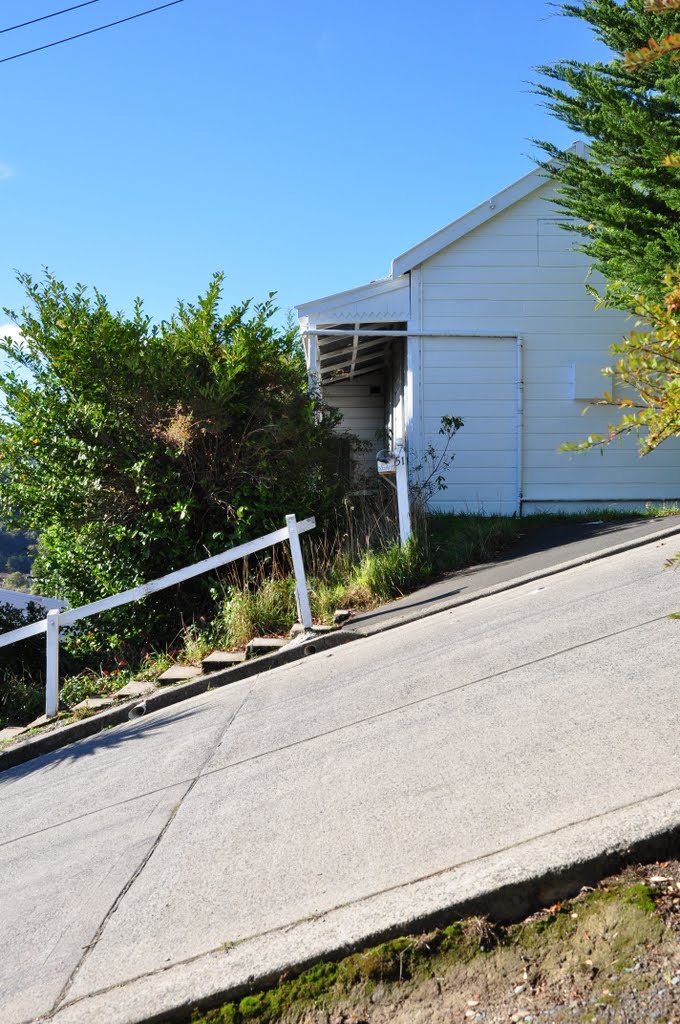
(392, 616)
(498, 886)
(36, 746)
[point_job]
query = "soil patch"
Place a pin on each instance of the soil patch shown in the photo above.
(611, 955)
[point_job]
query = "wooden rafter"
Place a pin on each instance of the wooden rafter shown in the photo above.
(341, 353)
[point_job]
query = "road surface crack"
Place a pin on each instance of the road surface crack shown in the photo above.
(87, 950)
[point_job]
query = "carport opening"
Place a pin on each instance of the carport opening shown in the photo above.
(361, 370)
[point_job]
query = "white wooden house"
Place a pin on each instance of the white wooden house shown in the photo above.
(489, 319)
(19, 599)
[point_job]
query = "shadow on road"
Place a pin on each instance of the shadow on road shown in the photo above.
(109, 739)
(553, 535)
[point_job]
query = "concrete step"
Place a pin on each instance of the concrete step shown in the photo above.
(41, 720)
(179, 674)
(298, 629)
(10, 731)
(135, 688)
(95, 703)
(264, 645)
(222, 659)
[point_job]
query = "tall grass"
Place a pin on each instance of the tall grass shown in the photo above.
(458, 541)
(357, 565)
(264, 607)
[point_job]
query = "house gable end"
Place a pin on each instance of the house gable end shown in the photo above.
(481, 214)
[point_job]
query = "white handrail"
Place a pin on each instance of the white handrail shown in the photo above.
(22, 633)
(55, 618)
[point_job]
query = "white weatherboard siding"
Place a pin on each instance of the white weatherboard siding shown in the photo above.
(517, 274)
(503, 333)
(475, 378)
(362, 404)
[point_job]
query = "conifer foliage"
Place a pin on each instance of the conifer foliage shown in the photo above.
(626, 193)
(647, 362)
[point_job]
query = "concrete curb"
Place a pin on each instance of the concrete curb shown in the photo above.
(445, 604)
(26, 751)
(50, 741)
(498, 885)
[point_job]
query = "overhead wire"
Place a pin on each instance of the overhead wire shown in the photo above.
(89, 32)
(55, 14)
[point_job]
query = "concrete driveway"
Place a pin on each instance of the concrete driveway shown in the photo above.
(489, 756)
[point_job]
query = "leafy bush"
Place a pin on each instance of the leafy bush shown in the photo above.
(22, 668)
(175, 442)
(91, 684)
(18, 581)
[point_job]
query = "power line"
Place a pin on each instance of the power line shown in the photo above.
(55, 14)
(90, 32)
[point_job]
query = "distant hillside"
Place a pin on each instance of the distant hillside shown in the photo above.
(17, 549)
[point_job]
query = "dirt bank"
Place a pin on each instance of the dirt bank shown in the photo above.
(611, 955)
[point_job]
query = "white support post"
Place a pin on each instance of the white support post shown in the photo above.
(52, 675)
(402, 493)
(301, 594)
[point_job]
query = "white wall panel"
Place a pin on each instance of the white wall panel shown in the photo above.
(363, 411)
(518, 273)
(483, 391)
(506, 291)
(505, 273)
(615, 491)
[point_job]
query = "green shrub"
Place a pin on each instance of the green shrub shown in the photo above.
(22, 668)
(176, 441)
(17, 581)
(92, 684)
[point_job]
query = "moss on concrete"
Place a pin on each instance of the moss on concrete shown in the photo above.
(595, 937)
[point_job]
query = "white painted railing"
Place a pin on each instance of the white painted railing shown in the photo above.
(56, 618)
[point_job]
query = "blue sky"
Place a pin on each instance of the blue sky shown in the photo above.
(297, 147)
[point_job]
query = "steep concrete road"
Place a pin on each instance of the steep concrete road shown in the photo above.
(261, 825)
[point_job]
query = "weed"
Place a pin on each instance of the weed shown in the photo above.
(78, 714)
(659, 511)
(457, 541)
(196, 642)
(154, 664)
(428, 471)
(92, 684)
(393, 571)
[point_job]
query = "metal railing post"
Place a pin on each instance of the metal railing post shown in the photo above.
(298, 566)
(52, 673)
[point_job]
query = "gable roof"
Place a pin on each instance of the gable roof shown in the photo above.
(486, 211)
(343, 303)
